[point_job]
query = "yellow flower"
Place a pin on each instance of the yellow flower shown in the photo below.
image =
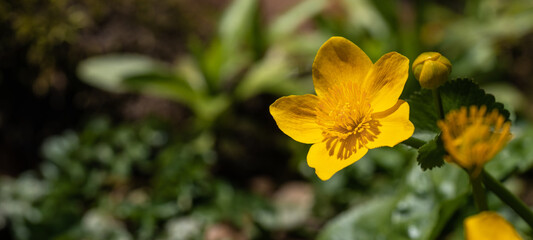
(431, 69)
(487, 226)
(356, 107)
(472, 137)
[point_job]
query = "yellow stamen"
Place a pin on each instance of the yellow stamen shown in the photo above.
(345, 117)
(472, 137)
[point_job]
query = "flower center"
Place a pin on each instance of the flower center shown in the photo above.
(345, 116)
(472, 136)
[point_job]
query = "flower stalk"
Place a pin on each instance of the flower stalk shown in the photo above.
(478, 192)
(414, 142)
(508, 198)
(438, 103)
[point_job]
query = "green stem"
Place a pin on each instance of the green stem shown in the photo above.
(508, 198)
(414, 142)
(480, 197)
(438, 103)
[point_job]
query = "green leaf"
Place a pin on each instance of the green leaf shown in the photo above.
(517, 156)
(423, 113)
(446, 210)
(211, 59)
(288, 23)
(235, 25)
(273, 74)
(464, 92)
(362, 222)
(236, 32)
(208, 108)
(454, 95)
(365, 18)
(431, 154)
(108, 71)
(229, 52)
(272, 70)
(418, 208)
(162, 85)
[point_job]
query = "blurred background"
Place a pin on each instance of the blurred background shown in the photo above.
(136, 119)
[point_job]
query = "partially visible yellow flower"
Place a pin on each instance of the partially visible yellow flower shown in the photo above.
(473, 137)
(489, 226)
(356, 107)
(431, 69)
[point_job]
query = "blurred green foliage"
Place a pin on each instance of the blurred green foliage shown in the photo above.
(122, 182)
(146, 181)
(244, 59)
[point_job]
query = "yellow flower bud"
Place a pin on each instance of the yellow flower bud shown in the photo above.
(431, 69)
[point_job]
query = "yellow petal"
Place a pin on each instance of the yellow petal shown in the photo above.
(327, 164)
(394, 126)
(339, 60)
(296, 117)
(489, 225)
(385, 81)
(433, 74)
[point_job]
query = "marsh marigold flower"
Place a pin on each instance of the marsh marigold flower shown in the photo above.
(472, 136)
(431, 69)
(489, 226)
(356, 107)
